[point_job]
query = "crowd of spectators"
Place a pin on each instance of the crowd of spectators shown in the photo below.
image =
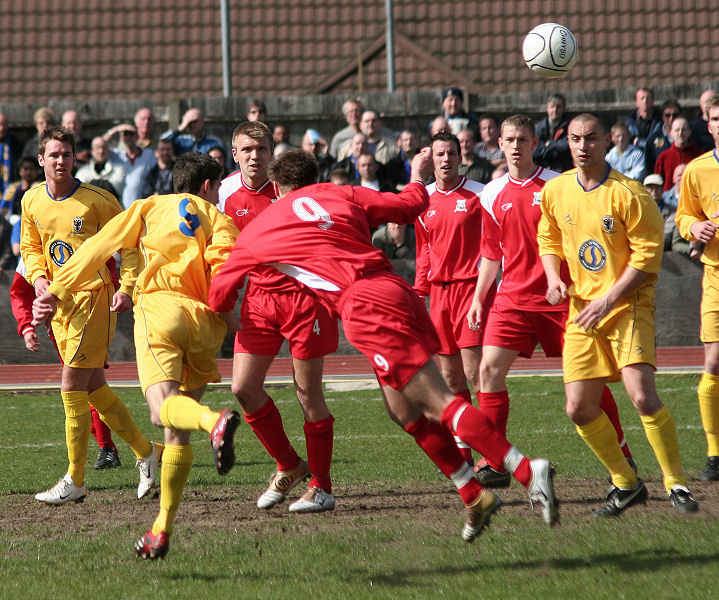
(651, 145)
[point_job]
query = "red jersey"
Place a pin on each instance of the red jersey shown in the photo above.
(511, 209)
(243, 204)
(319, 235)
(448, 235)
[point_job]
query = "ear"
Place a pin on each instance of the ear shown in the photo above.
(205, 188)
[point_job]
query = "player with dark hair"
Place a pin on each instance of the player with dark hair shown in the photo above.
(320, 235)
(610, 232)
(520, 315)
(448, 237)
(695, 221)
(182, 241)
(274, 308)
(58, 217)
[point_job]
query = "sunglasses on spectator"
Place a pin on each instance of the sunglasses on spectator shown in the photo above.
(671, 114)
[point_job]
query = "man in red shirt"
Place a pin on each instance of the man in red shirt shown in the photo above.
(680, 152)
(520, 315)
(276, 307)
(320, 235)
(448, 250)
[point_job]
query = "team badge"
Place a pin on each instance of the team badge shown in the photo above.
(537, 199)
(461, 205)
(60, 252)
(608, 224)
(592, 256)
(77, 225)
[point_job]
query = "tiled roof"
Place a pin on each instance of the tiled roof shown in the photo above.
(168, 49)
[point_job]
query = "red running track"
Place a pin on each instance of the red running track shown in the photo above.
(336, 367)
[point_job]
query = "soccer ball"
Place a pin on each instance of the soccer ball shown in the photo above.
(550, 50)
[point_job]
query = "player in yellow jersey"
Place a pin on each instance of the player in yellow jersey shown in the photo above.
(182, 241)
(58, 216)
(609, 230)
(697, 217)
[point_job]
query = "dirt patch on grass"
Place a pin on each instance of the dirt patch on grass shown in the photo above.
(227, 506)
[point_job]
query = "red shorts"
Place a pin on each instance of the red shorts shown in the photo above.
(520, 330)
(448, 307)
(386, 321)
(269, 318)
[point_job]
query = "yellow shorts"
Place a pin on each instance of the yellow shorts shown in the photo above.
(83, 328)
(176, 339)
(710, 305)
(624, 337)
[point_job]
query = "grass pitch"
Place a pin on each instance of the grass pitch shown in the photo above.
(394, 533)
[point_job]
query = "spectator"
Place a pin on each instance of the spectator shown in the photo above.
(190, 135)
(644, 121)
(700, 126)
(159, 177)
(398, 169)
(453, 111)
(655, 186)
(670, 198)
(438, 125)
(553, 149)
(8, 260)
(500, 171)
(12, 198)
(352, 110)
(472, 166)
(339, 176)
(368, 170)
(661, 139)
(281, 137)
(380, 141)
(681, 151)
(71, 120)
(257, 111)
(10, 148)
(624, 157)
(145, 124)
(358, 145)
(136, 161)
(219, 155)
(489, 146)
(103, 165)
(42, 118)
(315, 144)
(398, 243)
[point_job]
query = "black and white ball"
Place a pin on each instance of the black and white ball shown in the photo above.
(550, 50)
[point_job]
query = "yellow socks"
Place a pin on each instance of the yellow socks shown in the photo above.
(184, 413)
(114, 413)
(176, 465)
(601, 437)
(708, 393)
(77, 432)
(662, 435)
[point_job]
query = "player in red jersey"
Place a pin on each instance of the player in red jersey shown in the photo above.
(320, 235)
(520, 315)
(275, 307)
(448, 251)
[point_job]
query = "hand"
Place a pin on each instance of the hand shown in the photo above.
(121, 303)
(556, 292)
(43, 309)
(474, 315)
(422, 165)
(229, 318)
(41, 284)
(31, 341)
(703, 231)
(396, 233)
(593, 312)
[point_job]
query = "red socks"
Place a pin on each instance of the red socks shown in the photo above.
(437, 443)
(319, 436)
(100, 431)
(266, 424)
(609, 406)
(496, 406)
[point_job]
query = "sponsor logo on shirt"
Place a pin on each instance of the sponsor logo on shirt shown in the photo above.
(568, 220)
(242, 212)
(60, 252)
(461, 205)
(537, 199)
(431, 213)
(608, 224)
(506, 206)
(592, 256)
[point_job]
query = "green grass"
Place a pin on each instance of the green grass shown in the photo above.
(394, 534)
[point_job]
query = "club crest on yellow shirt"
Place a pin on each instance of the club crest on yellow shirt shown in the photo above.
(608, 224)
(592, 256)
(77, 225)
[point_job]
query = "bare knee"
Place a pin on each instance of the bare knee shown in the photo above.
(646, 403)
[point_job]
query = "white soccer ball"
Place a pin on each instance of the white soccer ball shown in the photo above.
(550, 50)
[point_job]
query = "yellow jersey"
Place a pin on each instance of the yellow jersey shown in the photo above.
(53, 229)
(182, 241)
(601, 231)
(699, 200)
